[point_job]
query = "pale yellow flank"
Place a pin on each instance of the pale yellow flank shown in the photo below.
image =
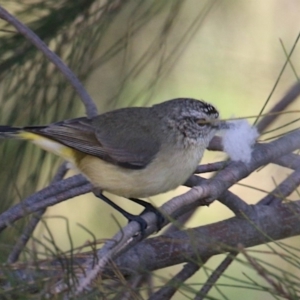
(49, 145)
(158, 177)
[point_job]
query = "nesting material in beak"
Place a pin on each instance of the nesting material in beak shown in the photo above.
(238, 138)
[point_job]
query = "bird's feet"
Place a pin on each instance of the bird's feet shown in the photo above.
(137, 218)
(160, 219)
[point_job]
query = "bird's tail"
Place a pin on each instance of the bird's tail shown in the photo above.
(48, 144)
(10, 132)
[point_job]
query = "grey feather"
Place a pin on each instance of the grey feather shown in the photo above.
(104, 136)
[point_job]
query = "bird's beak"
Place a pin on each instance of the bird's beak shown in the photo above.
(225, 125)
(221, 125)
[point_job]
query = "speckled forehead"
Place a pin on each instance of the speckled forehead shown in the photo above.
(208, 109)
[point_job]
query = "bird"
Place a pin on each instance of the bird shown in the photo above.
(132, 152)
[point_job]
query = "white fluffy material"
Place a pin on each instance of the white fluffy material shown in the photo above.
(238, 140)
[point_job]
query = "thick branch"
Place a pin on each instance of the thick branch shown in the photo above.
(291, 161)
(266, 224)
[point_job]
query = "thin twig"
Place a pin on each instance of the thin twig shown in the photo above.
(288, 98)
(266, 123)
(264, 274)
(222, 267)
(149, 284)
(30, 227)
(91, 109)
(171, 287)
(131, 286)
(53, 194)
(284, 189)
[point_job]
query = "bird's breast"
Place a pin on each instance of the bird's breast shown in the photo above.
(167, 171)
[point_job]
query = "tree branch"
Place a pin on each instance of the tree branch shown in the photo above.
(53, 194)
(288, 98)
(171, 287)
(28, 230)
(266, 224)
(213, 278)
(284, 189)
(91, 109)
(199, 195)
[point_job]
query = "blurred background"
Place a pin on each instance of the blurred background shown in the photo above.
(137, 53)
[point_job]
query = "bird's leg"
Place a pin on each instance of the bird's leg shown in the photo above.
(150, 208)
(130, 217)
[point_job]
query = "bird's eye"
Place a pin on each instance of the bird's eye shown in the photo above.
(201, 122)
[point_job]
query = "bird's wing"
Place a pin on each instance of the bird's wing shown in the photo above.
(128, 143)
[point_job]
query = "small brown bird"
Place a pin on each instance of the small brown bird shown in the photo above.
(134, 152)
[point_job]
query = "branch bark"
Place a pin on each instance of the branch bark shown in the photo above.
(91, 109)
(264, 224)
